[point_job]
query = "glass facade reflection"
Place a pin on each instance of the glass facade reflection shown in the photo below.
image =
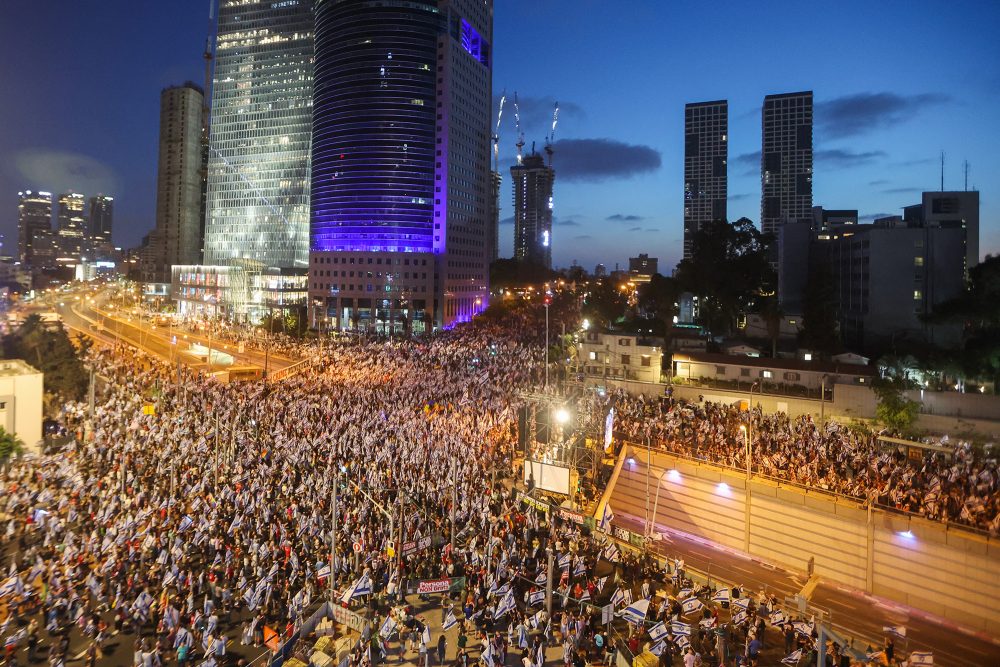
(259, 155)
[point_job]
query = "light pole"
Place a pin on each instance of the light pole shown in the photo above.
(746, 536)
(649, 530)
(547, 301)
(822, 399)
(333, 537)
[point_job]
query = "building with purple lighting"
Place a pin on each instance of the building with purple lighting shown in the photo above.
(400, 212)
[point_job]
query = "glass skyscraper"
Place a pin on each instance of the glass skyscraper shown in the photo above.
(259, 147)
(401, 163)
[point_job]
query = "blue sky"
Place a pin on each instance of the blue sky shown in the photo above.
(894, 82)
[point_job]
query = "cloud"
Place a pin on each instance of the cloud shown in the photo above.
(748, 159)
(63, 171)
(635, 229)
(741, 196)
(652, 229)
(838, 158)
(582, 237)
(619, 217)
(872, 216)
(893, 191)
(509, 220)
(564, 222)
(880, 181)
(602, 159)
(916, 161)
(851, 115)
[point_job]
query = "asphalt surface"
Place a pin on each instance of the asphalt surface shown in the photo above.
(865, 615)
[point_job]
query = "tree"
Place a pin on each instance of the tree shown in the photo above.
(773, 315)
(820, 331)
(728, 270)
(659, 296)
(604, 303)
(894, 410)
(10, 445)
(514, 273)
(49, 349)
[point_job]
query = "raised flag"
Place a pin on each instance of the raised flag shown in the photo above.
(522, 636)
(777, 617)
(679, 629)
(617, 597)
(606, 518)
(721, 595)
(580, 568)
(793, 658)
(921, 658)
(449, 620)
(388, 627)
(691, 605)
(506, 604)
(658, 632)
(707, 623)
(600, 584)
(427, 635)
(740, 618)
(564, 561)
(658, 648)
(895, 630)
(628, 596)
(683, 642)
(541, 579)
(636, 612)
(585, 596)
(741, 603)
(610, 553)
(684, 593)
(538, 597)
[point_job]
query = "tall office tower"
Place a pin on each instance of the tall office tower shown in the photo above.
(955, 209)
(72, 228)
(786, 160)
(34, 218)
(706, 155)
(101, 210)
(258, 164)
(496, 181)
(401, 163)
(177, 236)
(533, 182)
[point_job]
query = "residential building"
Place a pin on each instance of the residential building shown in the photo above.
(621, 356)
(176, 239)
(533, 186)
(21, 388)
(786, 160)
(496, 181)
(643, 267)
(401, 180)
(34, 218)
(257, 200)
(956, 209)
(72, 228)
(706, 154)
(100, 218)
(742, 371)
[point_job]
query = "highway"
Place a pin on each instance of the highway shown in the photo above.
(865, 615)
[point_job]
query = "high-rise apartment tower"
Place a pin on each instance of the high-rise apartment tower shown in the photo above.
(706, 156)
(533, 184)
(100, 218)
(401, 163)
(34, 219)
(786, 160)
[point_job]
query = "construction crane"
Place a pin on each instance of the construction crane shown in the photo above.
(551, 139)
(517, 129)
(496, 135)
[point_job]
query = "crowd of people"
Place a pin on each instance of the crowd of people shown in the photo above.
(187, 512)
(960, 484)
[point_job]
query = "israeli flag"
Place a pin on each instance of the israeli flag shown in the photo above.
(600, 584)
(691, 605)
(585, 596)
(522, 636)
(449, 620)
(581, 568)
(617, 598)
(707, 623)
(793, 658)
(538, 597)
(506, 605)
(803, 628)
(636, 613)
(564, 561)
(323, 572)
(541, 578)
(427, 635)
(628, 596)
(611, 553)
(658, 648)
(722, 595)
(388, 627)
(606, 518)
(895, 630)
(921, 658)
(740, 618)
(683, 642)
(186, 522)
(741, 603)
(679, 629)
(536, 619)
(777, 617)
(684, 593)
(487, 655)
(658, 632)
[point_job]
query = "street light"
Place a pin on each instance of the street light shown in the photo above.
(562, 415)
(746, 529)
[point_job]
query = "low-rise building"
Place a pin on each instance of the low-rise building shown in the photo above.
(21, 390)
(621, 356)
(772, 373)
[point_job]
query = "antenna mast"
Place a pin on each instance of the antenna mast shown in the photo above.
(942, 171)
(966, 175)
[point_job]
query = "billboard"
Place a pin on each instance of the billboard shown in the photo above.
(548, 477)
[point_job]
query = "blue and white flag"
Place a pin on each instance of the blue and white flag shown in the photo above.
(921, 658)
(628, 596)
(895, 630)
(449, 620)
(707, 623)
(388, 627)
(426, 636)
(658, 632)
(721, 595)
(606, 518)
(792, 658)
(538, 597)
(186, 522)
(636, 612)
(600, 584)
(617, 598)
(541, 578)
(741, 603)
(740, 618)
(323, 572)
(685, 593)
(507, 604)
(679, 629)
(777, 617)
(362, 586)
(537, 619)
(803, 628)
(682, 642)
(610, 553)
(564, 561)
(487, 655)
(691, 605)
(585, 596)
(580, 568)
(658, 648)
(522, 637)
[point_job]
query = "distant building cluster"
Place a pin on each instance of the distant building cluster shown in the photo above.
(82, 229)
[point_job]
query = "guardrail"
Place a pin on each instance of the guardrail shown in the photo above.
(840, 497)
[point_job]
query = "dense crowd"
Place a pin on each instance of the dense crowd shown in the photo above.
(960, 484)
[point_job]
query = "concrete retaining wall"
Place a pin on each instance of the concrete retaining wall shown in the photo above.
(949, 572)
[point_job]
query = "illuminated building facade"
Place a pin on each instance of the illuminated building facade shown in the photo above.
(34, 220)
(258, 167)
(72, 230)
(400, 213)
(706, 152)
(786, 160)
(533, 182)
(101, 211)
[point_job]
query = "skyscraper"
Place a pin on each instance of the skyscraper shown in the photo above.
(258, 165)
(34, 218)
(786, 160)
(706, 154)
(496, 181)
(177, 236)
(533, 183)
(101, 210)
(401, 163)
(72, 228)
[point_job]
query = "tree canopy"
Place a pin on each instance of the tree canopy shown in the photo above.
(49, 349)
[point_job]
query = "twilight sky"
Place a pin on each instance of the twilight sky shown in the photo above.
(894, 82)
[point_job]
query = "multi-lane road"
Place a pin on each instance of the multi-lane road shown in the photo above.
(865, 615)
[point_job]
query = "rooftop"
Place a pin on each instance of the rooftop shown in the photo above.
(768, 362)
(15, 367)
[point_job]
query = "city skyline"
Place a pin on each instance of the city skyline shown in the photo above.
(619, 154)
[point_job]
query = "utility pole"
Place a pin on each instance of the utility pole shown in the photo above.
(91, 400)
(333, 536)
(549, 579)
(454, 500)
(546, 343)
(216, 450)
(649, 528)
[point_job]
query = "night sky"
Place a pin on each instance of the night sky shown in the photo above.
(894, 82)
